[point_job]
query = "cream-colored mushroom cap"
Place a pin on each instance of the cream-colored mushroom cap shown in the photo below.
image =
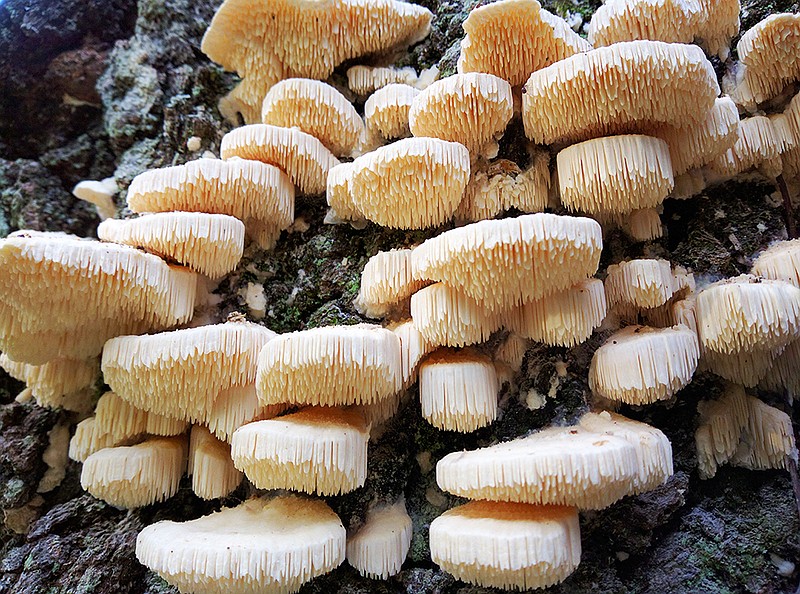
(263, 546)
(211, 244)
(746, 368)
(302, 40)
(304, 158)
(640, 365)
(413, 183)
(380, 546)
(181, 373)
(639, 284)
(57, 383)
(237, 406)
(135, 476)
(211, 466)
(386, 282)
(559, 466)
(745, 312)
(413, 347)
(513, 38)
(783, 374)
(615, 174)
(473, 109)
(507, 545)
(444, 316)
(653, 449)
(259, 195)
(99, 193)
(780, 262)
(505, 263)
(338, 193)
(317, 109)
(386, 113)
(63, 297)
(663, 20)
(317, 450)
(600, 92)
(330, 366)
(363, 80)
(758, 145)
(458, 390)
(565, 319)
(643, 225)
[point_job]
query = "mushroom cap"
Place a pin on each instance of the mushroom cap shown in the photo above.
(317, 450)
(363, 80)
(781, 261)
(211, 244)
(317, 109)
(564, 319)
(260, 195)
(600, 92)
(57, 383)
(386, 282)
(511, 351)
(473, 109)
(746, 368)
(640, 284)
(783, 374)
(513, 38)
(413, 347)
(237, 406)
(49, 281)
(662, 20)
(653, 449)
(444, 316)
(507, 545)
(181, 373)
(304, 158)
(640, 365)
(210, 464)
(380, 546)
(134, 476)
(330, 366)
(643, 225)
(458, 390)
(299, 39)
(504, 263)
(261, 546)
(558, 466)
(744, 312)
(758, 144)
(386, 112)
(338, 192)
(615, 174)
(413, 183)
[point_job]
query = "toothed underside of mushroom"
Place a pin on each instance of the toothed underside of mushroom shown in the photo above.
(210, 465)
(363, 80)
(380, 546)
(413, 347)
(780, 262)
(758, 144)
(386, 113)
(746, 368)
(644, 225)
(385, 282)
(639, 284)
(59, 382)
(237, 406)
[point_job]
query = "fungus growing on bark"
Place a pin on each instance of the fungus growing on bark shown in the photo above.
(237, 406)
(512, 261)
(302, 40)
(410, 184)
(338, 193)
(317, 109)
(211, 244)
(564, 319)
(643, 225)
(259, 195)
(210, 464)
(758, 145)
(377, 550)
(181, 373)
(458, 390)
(57, 383)
(599, 92)
(558, 466)
(386, 113)
(746, 367)
(413, 347)
(507, 545)
(513, 38)
(641, 365)
(317, 450)
(330, 366)
(639, 284)
(135, 476)
(780, 262)
(363, 80)
(49, 281)
(386, 282)
(472, 109)
(262, 545)
(446, 317)
(615, 174)
(783, 374)
(304, 158)
(99, 193)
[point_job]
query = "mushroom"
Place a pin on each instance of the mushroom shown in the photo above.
(747, 367)
(783, 373)
(379, 547)
(513, 38)
(510, 354)
(639, 284)
(780, 262)
(386, 113)
(211, 244)
(507, 545)
(317, 109)
(237, 406)
(413, 348)
(338, 194)
(316, 450)
(57, 383)
(99, 193)
(260, 195)
(643, 224)
(759, 144)
(210, 464)
(363, 80)
(386, 282)
(262, 545)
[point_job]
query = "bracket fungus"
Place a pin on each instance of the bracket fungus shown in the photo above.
(386, 282)
(641, 365)
(237, 406)
(512, 38)
(99, 193)
(759, 144)
(316, 450)
(363, 80)
(780, 262)
(338, 194)
(269, 546)
(783, 374)
(330, 366)
(747, 367)
(643, 224)
(295, 39)
(57, 383)
(377, 550)
(413, 348)
(211, 466)
(512, 261)
(507, 545)
(50, 281)
(386, 113)
(639, 284)
(259, 195)
(599, 92)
